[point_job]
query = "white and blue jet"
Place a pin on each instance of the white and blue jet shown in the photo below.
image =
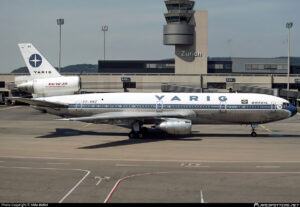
(174, 113)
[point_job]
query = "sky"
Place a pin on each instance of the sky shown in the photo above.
(236, 28)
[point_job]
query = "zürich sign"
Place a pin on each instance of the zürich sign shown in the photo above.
(184, 53)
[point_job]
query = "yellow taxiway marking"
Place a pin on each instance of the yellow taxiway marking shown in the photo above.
(89, 124)
(265, 128)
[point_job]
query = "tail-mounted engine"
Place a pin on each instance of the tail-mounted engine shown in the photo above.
(64, 85)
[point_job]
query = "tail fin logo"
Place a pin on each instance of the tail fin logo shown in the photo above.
(35, 60)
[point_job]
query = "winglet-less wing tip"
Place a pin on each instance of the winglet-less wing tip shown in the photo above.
(64, 119)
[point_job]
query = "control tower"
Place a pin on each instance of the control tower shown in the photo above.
(186, 29)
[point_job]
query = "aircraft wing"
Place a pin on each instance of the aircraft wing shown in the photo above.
(39, 103)
(133, 115)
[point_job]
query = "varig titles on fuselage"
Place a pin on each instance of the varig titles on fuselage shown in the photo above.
(191, 98)
(175, 98)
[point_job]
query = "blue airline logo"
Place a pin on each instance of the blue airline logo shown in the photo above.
(35, 60)
(223, 98)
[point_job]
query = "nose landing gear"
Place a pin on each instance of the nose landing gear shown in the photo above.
(253, 133)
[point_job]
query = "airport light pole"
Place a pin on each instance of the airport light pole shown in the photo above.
(59, 23)
(289, 25)
(104, 29)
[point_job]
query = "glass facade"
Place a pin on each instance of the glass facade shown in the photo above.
(160, 65)
(214, 65)
(138, 66)
(219, 66)
(250, 67)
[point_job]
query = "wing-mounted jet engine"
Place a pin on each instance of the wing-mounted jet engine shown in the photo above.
(176, 126)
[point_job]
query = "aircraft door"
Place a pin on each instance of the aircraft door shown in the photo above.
(159, 106)
(78, 106)
(273, 106)
(223, 107)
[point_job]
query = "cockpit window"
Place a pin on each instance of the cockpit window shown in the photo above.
(286, 104)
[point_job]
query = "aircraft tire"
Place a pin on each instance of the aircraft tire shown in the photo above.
(144, 131)
(140, 135)
(253, 134)
(132, 135)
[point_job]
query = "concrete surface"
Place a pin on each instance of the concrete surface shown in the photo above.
(45, 160)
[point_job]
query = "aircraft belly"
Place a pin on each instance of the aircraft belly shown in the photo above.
(239, 116)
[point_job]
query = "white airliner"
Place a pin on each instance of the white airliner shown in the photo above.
(173, 113)
(44, 80)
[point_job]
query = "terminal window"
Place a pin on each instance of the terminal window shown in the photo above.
(216, 66)
(265, 66)
(219, 66)
(271, 67)
(224, 67)
(2, 84)
(282, 67)
(228, 66)
(151, 66)
(159, 66)
(216, 85)
(129, 84)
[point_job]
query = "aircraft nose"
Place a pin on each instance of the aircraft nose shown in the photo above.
(293, 109)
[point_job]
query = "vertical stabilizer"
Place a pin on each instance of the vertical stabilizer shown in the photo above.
(37, 64)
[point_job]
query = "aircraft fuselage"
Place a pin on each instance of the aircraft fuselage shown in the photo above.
(201, 108)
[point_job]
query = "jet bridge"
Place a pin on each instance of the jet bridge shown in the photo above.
(293, 96)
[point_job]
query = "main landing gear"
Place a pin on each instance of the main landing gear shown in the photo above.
(137, 132)
(253, 133)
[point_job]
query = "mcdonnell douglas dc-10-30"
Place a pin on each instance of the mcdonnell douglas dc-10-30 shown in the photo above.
(170, 112)
(174, 113)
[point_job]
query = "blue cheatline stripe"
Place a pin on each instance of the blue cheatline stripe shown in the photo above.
(168, 106)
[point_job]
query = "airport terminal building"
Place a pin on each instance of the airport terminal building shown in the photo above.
(190, 70)
(186, 30)
(214, 65)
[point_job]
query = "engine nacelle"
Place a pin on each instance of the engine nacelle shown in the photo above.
(176, 126)
(51, 86)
